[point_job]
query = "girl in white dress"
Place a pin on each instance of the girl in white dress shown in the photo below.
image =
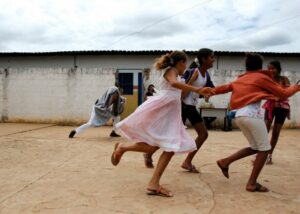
(157, 122)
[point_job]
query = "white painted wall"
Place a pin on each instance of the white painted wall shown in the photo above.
(52, 95)
(115, 61)
(237, 63)
(85, 61)
(37, 62)
(128, 62)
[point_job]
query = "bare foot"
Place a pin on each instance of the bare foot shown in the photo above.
(224, 168)
(190, 167)
(148, 160)
(117, 154)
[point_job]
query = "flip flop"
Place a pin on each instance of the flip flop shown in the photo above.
(115, 161)
(258, 188)
(191, 169)
(224, 170)
(159, 192)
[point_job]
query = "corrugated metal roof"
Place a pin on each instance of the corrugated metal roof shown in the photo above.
(137, 52)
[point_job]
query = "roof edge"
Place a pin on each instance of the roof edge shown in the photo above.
(138, 52)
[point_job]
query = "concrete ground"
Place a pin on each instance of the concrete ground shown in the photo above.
(42, 171)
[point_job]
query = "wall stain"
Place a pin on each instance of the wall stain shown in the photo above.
(5, 82)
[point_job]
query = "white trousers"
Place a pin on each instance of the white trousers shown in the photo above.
(255, 131)
(81, 128)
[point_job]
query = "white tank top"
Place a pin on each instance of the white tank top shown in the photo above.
(192, 97)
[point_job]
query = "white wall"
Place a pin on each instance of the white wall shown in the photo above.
(115, 61)
(52, 95)
(81, 61)
(237, 63)
(37, 62)
(128, 62)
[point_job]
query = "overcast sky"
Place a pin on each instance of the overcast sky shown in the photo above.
(230, 25)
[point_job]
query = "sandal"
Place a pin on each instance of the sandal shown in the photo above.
(224, 170)
(190, 168)
(258, 188)
(148, 161)
(115, 161)
(159, 192)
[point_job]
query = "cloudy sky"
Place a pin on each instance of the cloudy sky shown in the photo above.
(230, 25)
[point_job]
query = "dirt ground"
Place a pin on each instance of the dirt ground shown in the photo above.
(43, 171)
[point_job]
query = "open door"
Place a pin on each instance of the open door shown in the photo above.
(131, 81)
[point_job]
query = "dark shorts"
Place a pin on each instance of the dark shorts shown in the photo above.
(190, 112)
(279, 114)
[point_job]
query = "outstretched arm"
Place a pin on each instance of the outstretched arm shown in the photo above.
(276, 89)
(170, 76)
(222, 89)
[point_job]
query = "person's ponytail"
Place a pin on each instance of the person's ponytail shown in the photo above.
(170, 59)
(164, 61)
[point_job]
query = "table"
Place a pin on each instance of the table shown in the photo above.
(215, 112)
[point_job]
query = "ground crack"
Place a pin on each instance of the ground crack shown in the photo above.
(213, 194)
(27, 131)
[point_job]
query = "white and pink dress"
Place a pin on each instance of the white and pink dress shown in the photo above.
(158, 122)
